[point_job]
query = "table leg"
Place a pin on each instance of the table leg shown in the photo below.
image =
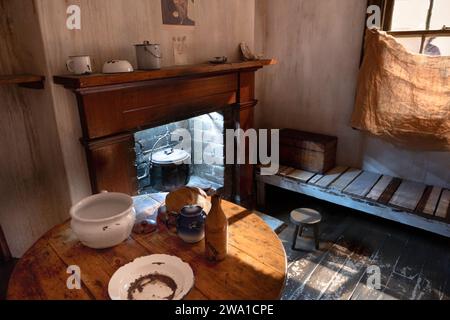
(294, 240)
(316, 236)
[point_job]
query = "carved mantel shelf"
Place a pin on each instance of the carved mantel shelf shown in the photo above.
(23, 80)
(75, 82)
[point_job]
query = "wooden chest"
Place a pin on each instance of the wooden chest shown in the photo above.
(307, 151)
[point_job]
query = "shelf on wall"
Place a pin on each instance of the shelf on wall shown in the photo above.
(23, 80)
(95, 80)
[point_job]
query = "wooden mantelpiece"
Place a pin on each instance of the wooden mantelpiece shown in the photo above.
(114, 107)
(95, 80)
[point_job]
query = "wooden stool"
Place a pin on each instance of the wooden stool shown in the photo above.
(302, 218)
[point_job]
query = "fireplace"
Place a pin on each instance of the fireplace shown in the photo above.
(123, 115)
(198, 137)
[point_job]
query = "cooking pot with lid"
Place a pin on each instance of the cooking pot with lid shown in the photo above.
(168, 169)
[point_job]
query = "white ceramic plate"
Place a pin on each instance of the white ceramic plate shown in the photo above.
(169, 266)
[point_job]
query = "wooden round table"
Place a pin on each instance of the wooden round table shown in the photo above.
(255, 268)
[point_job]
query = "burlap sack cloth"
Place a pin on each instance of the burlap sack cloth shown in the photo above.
(403, 97)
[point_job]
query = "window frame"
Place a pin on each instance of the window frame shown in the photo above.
(387, 11)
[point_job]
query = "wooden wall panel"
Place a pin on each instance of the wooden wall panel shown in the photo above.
(33, 184)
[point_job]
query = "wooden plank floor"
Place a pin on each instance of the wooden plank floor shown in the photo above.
(352, 243)
(407, 202)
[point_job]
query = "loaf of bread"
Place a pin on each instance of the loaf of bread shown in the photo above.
(186, 196)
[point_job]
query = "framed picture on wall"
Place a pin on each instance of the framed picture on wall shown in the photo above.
(178, 12)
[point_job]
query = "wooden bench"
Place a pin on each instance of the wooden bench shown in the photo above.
(411, 203)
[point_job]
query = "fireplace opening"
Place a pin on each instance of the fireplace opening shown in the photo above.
(188, 152)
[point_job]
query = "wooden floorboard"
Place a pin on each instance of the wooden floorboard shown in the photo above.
(386, 259)
(322, 275)
(362, 185)
(331, 176)
(434, 275)
(376, 192)
(364, 250)
(345, 179)
(405, 279)
(350, 244)
(446, 282)
(301, 264)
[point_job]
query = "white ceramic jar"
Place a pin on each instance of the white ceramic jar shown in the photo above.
(103, 220)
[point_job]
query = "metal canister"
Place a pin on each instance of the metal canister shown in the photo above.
(148, 56)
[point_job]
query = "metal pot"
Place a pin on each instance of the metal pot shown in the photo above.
(148, 56)
(168, 169)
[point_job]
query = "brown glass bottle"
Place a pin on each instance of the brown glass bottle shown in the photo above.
(216, 232)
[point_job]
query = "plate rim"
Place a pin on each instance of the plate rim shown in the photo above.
(136, 260)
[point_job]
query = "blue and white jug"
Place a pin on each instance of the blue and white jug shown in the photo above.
(191, 224)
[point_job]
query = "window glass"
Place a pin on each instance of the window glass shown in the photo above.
(412, 44)
(437, 46)
(441, 14)
(410, 15)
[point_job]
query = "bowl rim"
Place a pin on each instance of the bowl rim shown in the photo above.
(74, 209)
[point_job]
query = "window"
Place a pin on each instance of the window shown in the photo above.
(422, 26)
